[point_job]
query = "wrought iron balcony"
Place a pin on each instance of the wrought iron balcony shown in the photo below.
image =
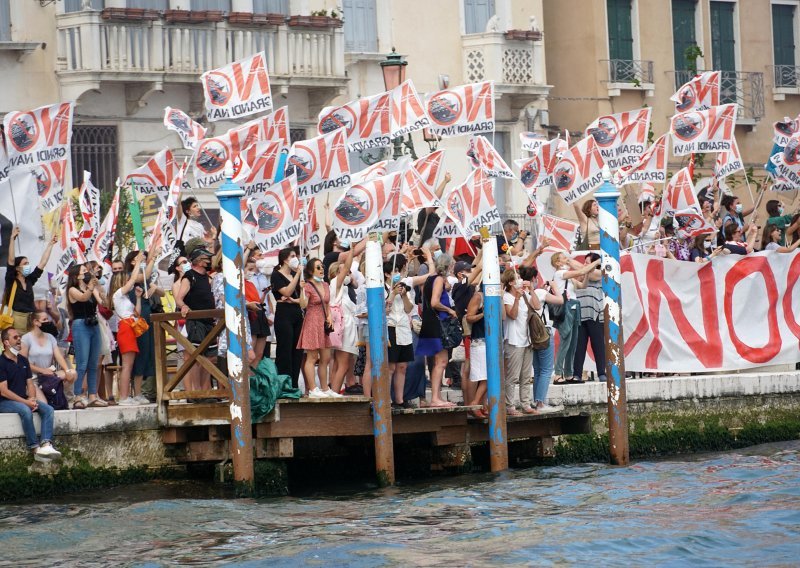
(92, 50)
(634, 71)
(787, 81)
(515, 65)
(746, 88)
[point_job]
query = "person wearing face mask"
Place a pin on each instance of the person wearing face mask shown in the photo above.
(256, 312)
(344, 353)
(314, 339)
(399, 293)
(18, 396)
(21, 276)
(83, 297)
(734, 214)
(782, 221)
(512, 241)
(261, 280)
(289, 303)
(195, 293)
(517, 352)
(338, 250)
(40, 347)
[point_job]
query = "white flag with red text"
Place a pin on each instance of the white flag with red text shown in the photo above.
(621, 138)
(486, 157)
(416, 192)
(471, 205)
(367, 122)
(531, 141)
(103, 243)
(679, 193)
(187, 129)
(463, 110)
(275, 126)
(650, 168)
(311, 238)
(259, 167)
(277, 214)
(361, 207)
(538, 171)
(430, 168)
(39, 136)
(208, 162)
(787, 166)
(155, 176)
(703, 130)
(560, 232)
(579, 171)
(89, 204)
(408, 110)
(376, 170)
(320, 164)
(48, 180)
(701, 93)
(728, 163)
(690, 223)
(783, 130)
(237, 90)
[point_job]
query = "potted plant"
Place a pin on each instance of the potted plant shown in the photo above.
(336, 19)
(319, 19)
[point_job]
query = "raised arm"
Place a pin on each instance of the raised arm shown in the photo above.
(47, 251)
(442, 185)
(14, 235)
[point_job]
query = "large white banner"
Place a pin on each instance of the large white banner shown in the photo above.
(736, 312)
(462, 110)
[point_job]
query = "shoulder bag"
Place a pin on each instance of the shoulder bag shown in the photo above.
(538, 333)
(6, 312)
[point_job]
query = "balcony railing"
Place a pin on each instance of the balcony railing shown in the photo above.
(493, 56)
(636, 72)
(786, 76)
(156, 50)
(746, 88)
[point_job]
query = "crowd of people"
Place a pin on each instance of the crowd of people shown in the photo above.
(308, 312)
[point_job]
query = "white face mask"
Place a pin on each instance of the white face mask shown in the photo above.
(261, 264)
(294, 263)
(14, 351)
(186, 267)
(739, 207)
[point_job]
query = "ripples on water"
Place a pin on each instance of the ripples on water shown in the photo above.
(713, 510)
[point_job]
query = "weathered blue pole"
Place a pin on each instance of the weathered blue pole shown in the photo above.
(492, 304)
(607, 197)
(379, 365)
(229, 195)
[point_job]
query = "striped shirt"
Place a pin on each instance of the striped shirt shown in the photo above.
(591, 300)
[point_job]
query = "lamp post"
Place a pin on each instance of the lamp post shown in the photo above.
(394, 74)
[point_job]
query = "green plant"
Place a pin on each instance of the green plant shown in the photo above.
(320, 13)
(691, 54)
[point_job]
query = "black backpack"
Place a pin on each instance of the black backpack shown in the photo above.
(53, 389)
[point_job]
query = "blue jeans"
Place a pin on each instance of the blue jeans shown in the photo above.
(86, 339)
(26, 415)
(568, 332)
(415, 376)
(543, 370)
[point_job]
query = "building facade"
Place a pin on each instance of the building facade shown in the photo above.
(609, 56)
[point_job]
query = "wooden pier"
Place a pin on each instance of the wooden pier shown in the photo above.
(200, 431)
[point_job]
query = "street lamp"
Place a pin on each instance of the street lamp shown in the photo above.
(394, 74)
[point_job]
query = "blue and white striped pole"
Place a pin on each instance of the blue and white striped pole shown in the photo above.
(229, 195)
(492, 304)
(607, 197)
(379, 365)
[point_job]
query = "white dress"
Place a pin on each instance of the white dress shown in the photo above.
(341, 298)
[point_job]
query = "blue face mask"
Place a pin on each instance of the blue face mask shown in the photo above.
(318, 278)
(396, 279)
(27, 269)
(344, 244)
(437, 254)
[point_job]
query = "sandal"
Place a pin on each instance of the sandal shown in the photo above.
(97, 403)
(576, 381)
(512, 411)
(79, 405)
(561, 381)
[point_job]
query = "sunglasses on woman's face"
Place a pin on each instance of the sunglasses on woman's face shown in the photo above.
(318, 267)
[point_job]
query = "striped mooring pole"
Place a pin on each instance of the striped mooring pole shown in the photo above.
(492, 305)
(379, 364)
(607, 197)
(229, 195)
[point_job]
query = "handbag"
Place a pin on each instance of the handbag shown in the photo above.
(53, 388)
(329, 329)
(452, 334)
(197, 330)
(138, 324)
(538, 333)
(6, 313)
(558, 311)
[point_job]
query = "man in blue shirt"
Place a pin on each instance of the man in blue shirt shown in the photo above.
(18, 395)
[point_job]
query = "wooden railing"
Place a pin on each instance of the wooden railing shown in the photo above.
(163, 326)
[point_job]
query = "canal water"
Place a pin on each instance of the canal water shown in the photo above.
(736, 508)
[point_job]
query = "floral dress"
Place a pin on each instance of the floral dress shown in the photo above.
(313, 334)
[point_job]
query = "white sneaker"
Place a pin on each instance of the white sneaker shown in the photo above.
(48, 452)
(128, 402)
(330, 393)
(141, 399)
(547, 408)
(316, 393)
